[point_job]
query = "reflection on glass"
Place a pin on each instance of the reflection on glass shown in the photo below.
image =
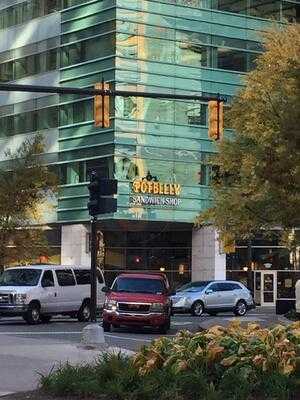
(269, 282)
(268, 297)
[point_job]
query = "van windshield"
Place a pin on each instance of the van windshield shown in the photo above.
(20, 277)
(139, 285)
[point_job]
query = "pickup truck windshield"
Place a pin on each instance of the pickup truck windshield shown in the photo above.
(139, 285)
(20, 277)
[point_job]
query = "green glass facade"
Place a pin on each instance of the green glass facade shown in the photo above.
(157, 46)
(203, 47)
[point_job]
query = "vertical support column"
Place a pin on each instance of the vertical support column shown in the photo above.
(208, 261)
(74, 245)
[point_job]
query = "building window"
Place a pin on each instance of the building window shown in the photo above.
(30, 65)
(30, 121)
(26, 11)
(79, 171)
(79, 111)
(101, 46)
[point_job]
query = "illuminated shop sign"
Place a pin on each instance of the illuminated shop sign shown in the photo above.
(154, 193)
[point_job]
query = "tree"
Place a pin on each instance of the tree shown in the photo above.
(24, 185)
(256, 188)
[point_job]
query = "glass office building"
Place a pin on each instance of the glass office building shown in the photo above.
(157, 149)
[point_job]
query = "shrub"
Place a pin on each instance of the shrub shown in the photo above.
(232, 363)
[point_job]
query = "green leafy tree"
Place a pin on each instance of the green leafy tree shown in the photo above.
(256, 188)
(24, 185)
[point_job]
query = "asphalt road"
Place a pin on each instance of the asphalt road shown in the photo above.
(26, 350)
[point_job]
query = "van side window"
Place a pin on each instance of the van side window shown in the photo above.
(65, 277)
(83, 277)
(48, 279)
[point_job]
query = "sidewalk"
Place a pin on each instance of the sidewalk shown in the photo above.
(20, 363)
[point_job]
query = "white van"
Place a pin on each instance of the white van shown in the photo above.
(36, 292)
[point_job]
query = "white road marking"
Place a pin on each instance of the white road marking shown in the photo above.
(128, 338)
(181, 323)
(40, 333)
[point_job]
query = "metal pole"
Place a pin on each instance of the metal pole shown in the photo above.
(13, 87)
(94, 269)
(249, 261)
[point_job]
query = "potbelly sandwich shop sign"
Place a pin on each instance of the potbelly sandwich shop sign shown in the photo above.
(154, 193)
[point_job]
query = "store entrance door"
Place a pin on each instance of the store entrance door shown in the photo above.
(268, 288)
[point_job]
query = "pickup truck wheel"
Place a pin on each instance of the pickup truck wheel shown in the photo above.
(84, 313)
(163, 329)
(106, 326)
(46, 318)
(32, 316)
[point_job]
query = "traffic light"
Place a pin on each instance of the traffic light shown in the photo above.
(99, 189)
(215, 119)
(101, 107)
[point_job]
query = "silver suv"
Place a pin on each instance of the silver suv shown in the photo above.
(212, 297)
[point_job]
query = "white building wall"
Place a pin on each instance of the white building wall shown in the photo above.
(208, 261)
(74, 245)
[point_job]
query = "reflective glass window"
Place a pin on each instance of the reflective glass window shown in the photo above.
(192, 54)
(264, 9)
(77, 112)
(98, 47)
(231, 59)
(290, 11)
(238, 6)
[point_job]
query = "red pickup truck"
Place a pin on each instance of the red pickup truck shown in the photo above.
(138, 299)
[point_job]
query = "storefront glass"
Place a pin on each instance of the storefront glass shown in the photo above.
(148, 251)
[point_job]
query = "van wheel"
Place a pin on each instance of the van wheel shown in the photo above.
(106, 326)
(240, 309)
(84, 313)
(46, 318)
(32, 316)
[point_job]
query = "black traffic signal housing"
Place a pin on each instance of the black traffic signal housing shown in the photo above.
(100, 188)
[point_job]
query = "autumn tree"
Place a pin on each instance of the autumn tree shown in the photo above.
(256, 188)
(25, 183)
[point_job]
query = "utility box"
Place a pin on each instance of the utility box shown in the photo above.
(297, 290)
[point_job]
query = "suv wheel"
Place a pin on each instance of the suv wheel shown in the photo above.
(32, 316)
(84, 314)
(197, 308)
(240, 308)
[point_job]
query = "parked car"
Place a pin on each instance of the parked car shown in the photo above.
(38, 292)
(138, 299)
(212, 297)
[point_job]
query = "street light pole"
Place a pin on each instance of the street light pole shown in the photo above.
(249, 262)
(94, 269)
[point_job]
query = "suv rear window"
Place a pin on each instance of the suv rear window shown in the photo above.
(139, 285)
